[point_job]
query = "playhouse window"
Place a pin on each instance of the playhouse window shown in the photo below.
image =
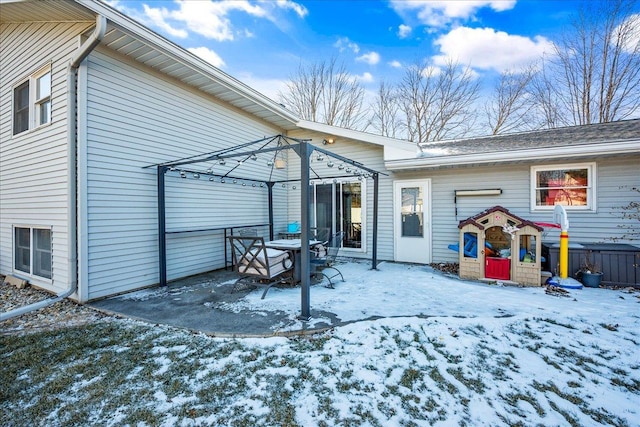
(32, 251)
(32, 101)
(571, 185)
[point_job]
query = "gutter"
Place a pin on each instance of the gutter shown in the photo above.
(72, 175)
(547, 153)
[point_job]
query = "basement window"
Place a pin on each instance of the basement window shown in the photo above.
(32, 251)
(32, 101)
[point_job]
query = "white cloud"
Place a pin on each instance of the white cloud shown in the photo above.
(438, 13)
(371, 58)
(395, 64)
(365, 77)
(208, 55)
(157, 17)
(299, 9)
(486, 48)
(632, 43)
(210, 18)
(344, 43)
(404, 31)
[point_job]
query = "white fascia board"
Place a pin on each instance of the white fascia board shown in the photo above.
(546, 153)
(186, 58)
(405, 146)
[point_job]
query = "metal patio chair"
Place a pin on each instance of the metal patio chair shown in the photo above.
(325, 257)
(258, 265)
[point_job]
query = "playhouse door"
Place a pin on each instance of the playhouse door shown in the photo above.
(412, 219)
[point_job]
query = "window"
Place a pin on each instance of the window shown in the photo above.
(32, 254)
(339, 207)
(32, 101)
(572, 186)
(411, 212)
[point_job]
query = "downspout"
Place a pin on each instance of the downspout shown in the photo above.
(72, 174)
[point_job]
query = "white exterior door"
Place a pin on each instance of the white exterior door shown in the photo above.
(412, 221)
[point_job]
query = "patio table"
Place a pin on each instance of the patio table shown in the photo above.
(295, 246)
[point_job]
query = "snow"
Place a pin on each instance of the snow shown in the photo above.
(553, 355)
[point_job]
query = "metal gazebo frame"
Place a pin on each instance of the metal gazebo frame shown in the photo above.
(304, 149)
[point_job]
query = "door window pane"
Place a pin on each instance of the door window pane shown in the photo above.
(352, 214)
(411, 212)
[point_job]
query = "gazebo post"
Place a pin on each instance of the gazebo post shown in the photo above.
(374, 248)
(305, 258)
(270, 188)
(162, 231)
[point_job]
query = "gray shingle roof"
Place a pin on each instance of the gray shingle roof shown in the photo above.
(560, 137)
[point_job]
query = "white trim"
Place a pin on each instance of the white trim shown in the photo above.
(30, 275)
(82, 232)
(34, 102)
(591, 186)
(542, 153)
(334, 131)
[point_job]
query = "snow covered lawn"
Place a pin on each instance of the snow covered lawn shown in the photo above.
(436, 351)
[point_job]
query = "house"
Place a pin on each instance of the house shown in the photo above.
(591, 170)
(90, 99)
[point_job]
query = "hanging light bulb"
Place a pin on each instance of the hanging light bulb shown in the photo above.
(348, 170)
(253, 185)
(294, 187)
(235, 181)
(244, 184)
(335, 181)
(196, 175)
(330, 164)
(270, 163)
(172, 168)
(222, 162)
(320, 157)
(261, 185)
(183, 174)
(254, 157)
(211, 179)
(240, 162)
(284, 185)
(209, 170)
(341, 166)
(222, 180)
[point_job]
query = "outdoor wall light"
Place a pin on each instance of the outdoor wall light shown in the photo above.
(328, 141)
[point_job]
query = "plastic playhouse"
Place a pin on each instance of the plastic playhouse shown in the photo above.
(511, 247)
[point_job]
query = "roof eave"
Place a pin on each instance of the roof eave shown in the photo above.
(545, 153)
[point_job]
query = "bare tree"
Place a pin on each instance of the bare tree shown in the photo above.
(325, 92)
(509, 107)
(437, 102)
(595, 73)
(385, 110)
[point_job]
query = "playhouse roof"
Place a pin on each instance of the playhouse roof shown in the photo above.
(474, 220)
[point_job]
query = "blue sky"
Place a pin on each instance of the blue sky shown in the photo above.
(263, 43)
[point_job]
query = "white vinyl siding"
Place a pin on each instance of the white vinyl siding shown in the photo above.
(137, 118)
(615, 178)
(33, 165)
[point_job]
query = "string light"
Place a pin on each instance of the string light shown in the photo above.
(211, 179)
(183, 174)
(222, 162)
(330, 164)
(254, 157)
(341, 166)
(235, 181)
(270, 163)
(222, 180)
(196, 175)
